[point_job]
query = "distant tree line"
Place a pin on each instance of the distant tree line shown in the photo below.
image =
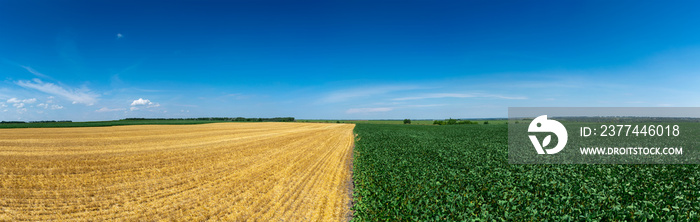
(42, 121)
(227, 119)
(451, 121)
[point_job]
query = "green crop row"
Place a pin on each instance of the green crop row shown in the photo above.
(461, 173)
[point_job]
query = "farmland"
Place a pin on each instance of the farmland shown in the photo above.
(301, 172)
(461, 172)
(218, 171)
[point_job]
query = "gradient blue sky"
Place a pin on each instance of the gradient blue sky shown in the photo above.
(101, 60)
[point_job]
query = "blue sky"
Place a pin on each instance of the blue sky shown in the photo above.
(103, 60)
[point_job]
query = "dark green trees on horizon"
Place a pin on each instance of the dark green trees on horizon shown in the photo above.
(451, 121)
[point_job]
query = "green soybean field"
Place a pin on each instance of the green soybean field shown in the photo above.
(461, 173)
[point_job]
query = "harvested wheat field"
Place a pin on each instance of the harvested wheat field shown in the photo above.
(220, 171)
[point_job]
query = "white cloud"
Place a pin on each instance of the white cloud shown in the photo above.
(141, 101)
(2, 105)
(424, 105)
(15, 100)
(36, 73)
(56, 107)
(457, 95)
(437, 95)
(105, 109)
(506, 97)
(368, 110)
(83, 96)
(18, 105)
(386, 109)
(43, 105)
(119, 36)
(237, 96)
(344, 95)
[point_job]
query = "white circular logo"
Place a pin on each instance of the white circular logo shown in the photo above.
(542, 125)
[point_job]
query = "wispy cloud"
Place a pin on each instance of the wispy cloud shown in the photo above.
(15, 100)
(83, 96)
(36, 73)
(105, 109)
(423, 105)
(119, 36)
(368, 110)
(237, 96)
(56, 106)
(386, 109)
(436, 95)
(457, 95)
(344, 95)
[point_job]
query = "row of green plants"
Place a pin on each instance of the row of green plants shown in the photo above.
(461, 173)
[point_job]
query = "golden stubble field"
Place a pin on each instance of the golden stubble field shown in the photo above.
(220, 171)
